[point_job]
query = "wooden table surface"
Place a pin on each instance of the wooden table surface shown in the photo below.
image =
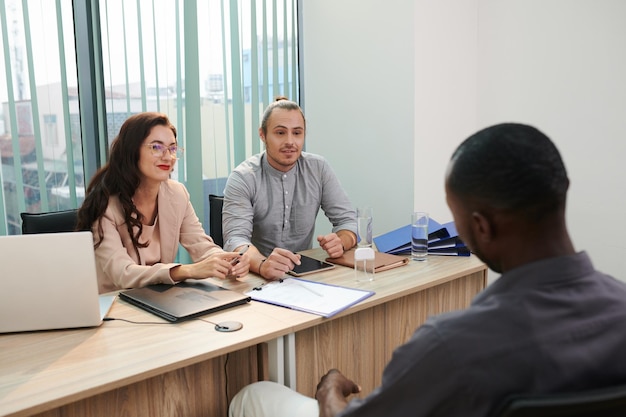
(40, 371)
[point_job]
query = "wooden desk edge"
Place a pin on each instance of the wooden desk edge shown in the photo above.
(310, 321)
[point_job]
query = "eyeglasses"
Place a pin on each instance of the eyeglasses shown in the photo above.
(158, 149)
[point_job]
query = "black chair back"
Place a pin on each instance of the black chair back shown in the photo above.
(604, 402)
(216, 202)
(49, 222)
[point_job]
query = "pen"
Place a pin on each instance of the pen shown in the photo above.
(236, 260)
(260, 286)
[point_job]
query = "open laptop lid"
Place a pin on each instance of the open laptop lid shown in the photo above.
(49, 282)
(185, 300)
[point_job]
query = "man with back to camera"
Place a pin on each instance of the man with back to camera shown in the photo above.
(551, 322)
(271, 200)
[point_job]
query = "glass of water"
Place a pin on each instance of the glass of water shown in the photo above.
(364, 217)
(419, 236)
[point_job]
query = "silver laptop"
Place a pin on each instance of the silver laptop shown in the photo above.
(48, 281)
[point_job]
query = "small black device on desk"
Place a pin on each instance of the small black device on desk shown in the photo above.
(310, 265)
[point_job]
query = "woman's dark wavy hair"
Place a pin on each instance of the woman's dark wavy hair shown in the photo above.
(120, 176)
(512, 167)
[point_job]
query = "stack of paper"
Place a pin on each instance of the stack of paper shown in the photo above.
(311, 296)
(443, 239)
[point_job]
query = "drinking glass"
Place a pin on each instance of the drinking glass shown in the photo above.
(419, 236)
(364, 217)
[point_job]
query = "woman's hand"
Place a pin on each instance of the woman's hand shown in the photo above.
(218, 265)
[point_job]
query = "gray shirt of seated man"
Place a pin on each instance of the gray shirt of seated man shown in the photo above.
(270, 208)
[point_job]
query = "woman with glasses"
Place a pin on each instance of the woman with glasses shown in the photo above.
(138, 215)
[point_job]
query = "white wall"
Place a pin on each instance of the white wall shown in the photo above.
(561, 66)
(358, 92)
(557, 64)
(446, 96)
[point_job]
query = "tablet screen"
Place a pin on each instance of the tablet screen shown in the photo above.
(309, 265)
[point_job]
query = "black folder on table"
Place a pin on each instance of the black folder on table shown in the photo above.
(184, 300)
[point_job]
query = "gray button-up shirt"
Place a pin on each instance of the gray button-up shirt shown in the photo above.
(270, 208)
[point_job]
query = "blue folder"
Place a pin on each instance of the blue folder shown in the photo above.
(448, 242)
(399, 239)
(443, 239)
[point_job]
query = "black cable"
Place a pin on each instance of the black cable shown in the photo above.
(154, 322)
(136, 322)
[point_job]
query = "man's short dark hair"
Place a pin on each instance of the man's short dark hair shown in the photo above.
(511, 167)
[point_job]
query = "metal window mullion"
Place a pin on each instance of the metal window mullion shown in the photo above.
(225, 81)
(298, 45)
(17, 160)
(156, 59)
(109, 68)
(285, 50)
(254, 82)
(34, 109)
(179, 96)
(239, 122)
(275, 80)
(69, 145)
(193, 115)
(97, 79)
(13, 120)
(91, 98)
(126, 75)
(142, 69)
(294, 51)
(265, 56)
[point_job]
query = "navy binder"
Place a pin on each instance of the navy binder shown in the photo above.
(443, 239)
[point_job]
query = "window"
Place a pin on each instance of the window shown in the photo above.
(212, 66)
(50, 129)
(38, 66)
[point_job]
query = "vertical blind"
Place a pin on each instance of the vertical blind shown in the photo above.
(211, 65)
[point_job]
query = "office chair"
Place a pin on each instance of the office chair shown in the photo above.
(604, 402)
(49, 222)
(216, 202)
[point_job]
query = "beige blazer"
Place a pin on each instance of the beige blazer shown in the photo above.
(116, 261)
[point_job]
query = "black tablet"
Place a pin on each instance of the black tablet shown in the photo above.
(310, 265)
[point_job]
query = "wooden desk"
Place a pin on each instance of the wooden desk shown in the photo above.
(361, 340)
(138, 369)
(190, 369)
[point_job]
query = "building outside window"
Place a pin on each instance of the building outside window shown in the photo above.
(224, 61)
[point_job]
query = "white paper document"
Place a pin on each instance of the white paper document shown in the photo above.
(312, 297)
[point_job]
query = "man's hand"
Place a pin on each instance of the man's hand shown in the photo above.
(332, 391)
(332, 244)
(278, 264)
